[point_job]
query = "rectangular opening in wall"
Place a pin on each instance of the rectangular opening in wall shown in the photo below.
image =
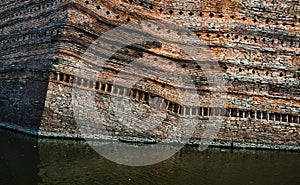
(140, 93)
(176, 107)
(171, 106)
(259, 115)
(67, 78)
(296, 119)
(181, 107)
(85, 82)
(211, 111)
(200, 111)
(55, 76)
(247, 113)
(61, 76)
(146, 96)
(217, 111)
(194, 111)
(91, 84)
(103, 87)
(264, 115)
(241, 113)
(277, 117)
(165, 104)
(271, 116)
(223, 112)
(233, 112)
(97, 85)
(71, 79)
(290, 117)
(205, 109)
(109, 86)
(158, 100)
(252, 114)
(134, 92)
(187, 110)
(115, 89)
(131, 94)
(228, 112)
(126, 91)
(284, 117)
(121, 91)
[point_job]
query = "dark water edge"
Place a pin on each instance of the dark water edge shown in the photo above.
(77, 136)
(28, 160)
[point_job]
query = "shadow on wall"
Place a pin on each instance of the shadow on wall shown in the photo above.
(23, 88)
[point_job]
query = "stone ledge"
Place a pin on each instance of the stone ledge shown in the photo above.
(197, 143)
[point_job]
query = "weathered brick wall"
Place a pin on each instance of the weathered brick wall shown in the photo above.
(256, 44)
(29, 42)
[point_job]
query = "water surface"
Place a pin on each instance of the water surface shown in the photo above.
(26, 160)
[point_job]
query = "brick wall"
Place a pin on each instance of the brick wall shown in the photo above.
(256, 44)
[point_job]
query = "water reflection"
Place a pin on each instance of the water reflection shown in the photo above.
(74, 162)
(19, 159)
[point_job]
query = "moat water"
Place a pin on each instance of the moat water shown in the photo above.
(26, 160)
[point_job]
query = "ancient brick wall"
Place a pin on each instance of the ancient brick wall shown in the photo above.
(29, 43)
(256, 43)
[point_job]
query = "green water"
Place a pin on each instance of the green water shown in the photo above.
(25, 160)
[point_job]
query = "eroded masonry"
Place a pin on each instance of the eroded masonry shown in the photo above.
(255, 42)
